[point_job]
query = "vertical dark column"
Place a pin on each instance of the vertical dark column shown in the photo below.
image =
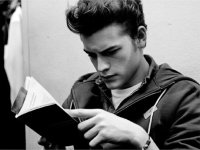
(12, 132)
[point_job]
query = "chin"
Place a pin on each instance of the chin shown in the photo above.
(113, 86)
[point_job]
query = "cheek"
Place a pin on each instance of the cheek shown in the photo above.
(119, 64)
(125, 64)
(123, 59)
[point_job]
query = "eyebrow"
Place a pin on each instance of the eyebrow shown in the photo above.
(105, 50)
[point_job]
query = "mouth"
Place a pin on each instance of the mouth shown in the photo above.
(107, 78)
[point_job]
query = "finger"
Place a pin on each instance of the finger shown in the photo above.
(84, 113)
(91, 133)
(109, 145)
(97, 140)
(86, 124)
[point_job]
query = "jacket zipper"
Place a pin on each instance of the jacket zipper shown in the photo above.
(110, 100)
(146, 95)
(137, 100)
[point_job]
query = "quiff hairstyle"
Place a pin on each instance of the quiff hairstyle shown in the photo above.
(89, 16)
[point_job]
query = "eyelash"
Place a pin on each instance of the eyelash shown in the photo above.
(109, 53)
(92, 55)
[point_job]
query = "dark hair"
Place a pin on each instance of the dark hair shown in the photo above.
(89, 16)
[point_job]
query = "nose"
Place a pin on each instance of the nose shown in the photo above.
(102, 64)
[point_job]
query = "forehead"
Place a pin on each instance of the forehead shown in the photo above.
(102, 39)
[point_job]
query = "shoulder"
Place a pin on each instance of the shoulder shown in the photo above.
(89, 77)
(83, 88)
(166, 76)
(187, 91)
(183, 89)
(181, 99)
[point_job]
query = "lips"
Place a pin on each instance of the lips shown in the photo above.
(108, 78)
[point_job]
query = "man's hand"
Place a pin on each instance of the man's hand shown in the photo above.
(108, 130)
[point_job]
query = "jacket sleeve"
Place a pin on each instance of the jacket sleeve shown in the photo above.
(182, 112)
(68, 103)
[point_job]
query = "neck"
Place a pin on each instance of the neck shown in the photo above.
(141, 72)
(145, 67)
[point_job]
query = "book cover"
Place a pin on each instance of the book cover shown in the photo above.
(35, 107)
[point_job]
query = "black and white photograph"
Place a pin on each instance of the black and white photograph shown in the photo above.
(99, 74)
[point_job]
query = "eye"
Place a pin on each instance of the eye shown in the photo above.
(110, 52)
(92, 55)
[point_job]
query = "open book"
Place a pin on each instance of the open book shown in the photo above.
(35, 107)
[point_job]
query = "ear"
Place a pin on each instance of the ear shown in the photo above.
(141, 37)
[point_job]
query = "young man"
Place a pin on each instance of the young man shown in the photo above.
(130, 102)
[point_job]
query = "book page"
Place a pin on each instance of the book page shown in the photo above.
(27, 83)
(37, 96)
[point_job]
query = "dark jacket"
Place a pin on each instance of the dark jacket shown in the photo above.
(176, 122)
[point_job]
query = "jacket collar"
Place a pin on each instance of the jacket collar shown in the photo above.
(153, 67)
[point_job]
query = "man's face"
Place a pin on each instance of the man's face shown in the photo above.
(115, 55)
